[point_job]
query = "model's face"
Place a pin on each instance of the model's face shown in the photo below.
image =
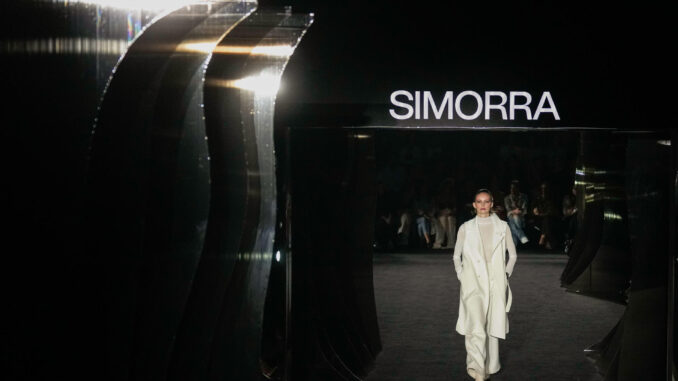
(482, 204)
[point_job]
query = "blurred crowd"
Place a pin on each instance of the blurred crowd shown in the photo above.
(426, 182)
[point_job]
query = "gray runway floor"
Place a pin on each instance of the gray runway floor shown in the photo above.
(417, 299)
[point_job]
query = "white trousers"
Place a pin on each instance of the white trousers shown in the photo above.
(482, 354)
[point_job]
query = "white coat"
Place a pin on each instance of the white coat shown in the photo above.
(484, 291)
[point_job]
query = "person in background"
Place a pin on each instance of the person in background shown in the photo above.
(422, 210)
(404, 216)
(446, 222)
(545, 212)
(516, 208)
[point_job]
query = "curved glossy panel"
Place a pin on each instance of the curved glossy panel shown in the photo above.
(221, 334)
(150, 184)
(626, 206)
(333, 192)
(56, 58)
(599, 262)
(648, 186)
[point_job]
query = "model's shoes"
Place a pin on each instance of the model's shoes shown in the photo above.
(524, 240)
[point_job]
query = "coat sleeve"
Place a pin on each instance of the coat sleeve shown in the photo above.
(511, 247)
(457, 250)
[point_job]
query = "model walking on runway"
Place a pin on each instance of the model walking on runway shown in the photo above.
(484, 296)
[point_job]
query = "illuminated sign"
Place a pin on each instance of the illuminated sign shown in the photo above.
(515, 104)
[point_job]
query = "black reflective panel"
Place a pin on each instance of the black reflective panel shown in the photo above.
(221, 333)
(55, 60)
(648, 184)
(599, 262)
(672, 333)
(149, 184)
(622, 248)
(333, 208)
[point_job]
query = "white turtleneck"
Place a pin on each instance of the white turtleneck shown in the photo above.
(486, 230)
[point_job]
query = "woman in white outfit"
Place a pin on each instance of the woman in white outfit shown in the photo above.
(485, 297)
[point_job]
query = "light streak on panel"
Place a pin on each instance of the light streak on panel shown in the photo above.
(664, 142)
(282, 51)
(612, 216)
(256, 256)
(263, 84)
(66, 45)
(196, 47)
(155, 5)
(590, 171)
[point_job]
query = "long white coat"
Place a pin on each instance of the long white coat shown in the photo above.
(485, 292)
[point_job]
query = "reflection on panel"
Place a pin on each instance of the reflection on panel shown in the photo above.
(224, 319)
(333, 209)
(621, 249)
(56, 58)
(599, 263)
(150, 186)
(77, 45)
(182, 187)
(647, 172)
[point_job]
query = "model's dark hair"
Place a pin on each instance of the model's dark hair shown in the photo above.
(483, 190)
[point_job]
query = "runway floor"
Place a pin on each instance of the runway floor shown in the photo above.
(417, 298)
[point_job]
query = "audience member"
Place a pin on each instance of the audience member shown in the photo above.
(446, 222)
(422, 210)
(516, 209)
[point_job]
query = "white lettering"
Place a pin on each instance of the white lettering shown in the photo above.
(396, 103)
(489, 106)
(419, 104)
(417, 113)
(525, 106)
(438, 112)
(546, 97)
(479, 104)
